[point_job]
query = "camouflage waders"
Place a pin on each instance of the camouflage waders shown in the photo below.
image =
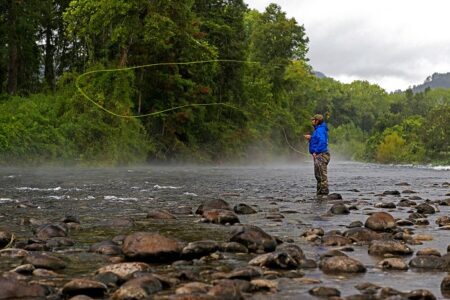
(320, 171)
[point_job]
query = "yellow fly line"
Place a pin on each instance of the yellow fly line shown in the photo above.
(82, 92)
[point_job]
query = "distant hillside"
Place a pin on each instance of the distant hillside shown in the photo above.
(437, 80)
(319, 74)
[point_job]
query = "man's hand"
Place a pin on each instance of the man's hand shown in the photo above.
(307, 137)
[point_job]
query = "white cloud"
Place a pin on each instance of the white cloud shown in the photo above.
(395, 44)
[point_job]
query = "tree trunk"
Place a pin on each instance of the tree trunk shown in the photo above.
(49, 69)
(13, 61)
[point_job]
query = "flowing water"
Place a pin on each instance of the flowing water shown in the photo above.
(96, 195)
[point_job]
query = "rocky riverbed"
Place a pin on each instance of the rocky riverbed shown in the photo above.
(224, 233)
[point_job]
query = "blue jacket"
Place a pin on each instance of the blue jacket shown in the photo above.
(319, 139)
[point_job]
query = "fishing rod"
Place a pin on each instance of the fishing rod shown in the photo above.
(101, 107)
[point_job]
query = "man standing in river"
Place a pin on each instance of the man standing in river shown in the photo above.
(318, 147)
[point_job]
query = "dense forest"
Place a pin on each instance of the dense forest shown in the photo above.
(257, 66)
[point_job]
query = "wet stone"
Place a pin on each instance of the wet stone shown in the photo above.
(193, 288)
(409, 192)
(331, 253)
(428, 251)
(428, 262)
(392, 193)
(334, 196)
(360, 234)
(212, 204)
(380, 247)
(24, 269)
(341, 264)
(160, 214)
(199, 248)
(59, 242)
(220, 216)
(276, 260)
(420, 294)
(106, 248)
(45, 273)
(404, 223)
(5, 238)
(443, 221)
(45, 261)
(335, 240)
(124, 270)
(232, 247)
(15, 289)
(324, 291)
(84, 287)
(421, 222)
(48, 231)
(254, 238)
(445, 285)
(425, 208)
(380, 221)
(245, 273)
(313, 231)
(392, 264)
(406, 203)
(339, 209)
(138, 288)
(70, 219)
(229, 289)
(81, 297)
(355, 224)
(243, 209)
(151, 247)
(264, 285)
(108, 278)
(385, 205)
(294, 251)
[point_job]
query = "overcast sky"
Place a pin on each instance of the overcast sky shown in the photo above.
(393, 43)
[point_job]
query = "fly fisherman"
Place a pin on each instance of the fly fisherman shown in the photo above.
(318, 147)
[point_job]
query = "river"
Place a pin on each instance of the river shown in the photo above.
(96, 195)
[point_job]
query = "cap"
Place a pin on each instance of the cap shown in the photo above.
(318, 117)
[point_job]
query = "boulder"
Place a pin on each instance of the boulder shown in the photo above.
(254, 238)
(199, 248)
(45, 261)
(380, 221)
(243, 209)
(142, 287)
(341, 264)
(106, 247)
(428, 262)
(380, 247)
(324, 292)
(124, 270)
(339, 209)
(5, 238)
(15, 289)
(220, 216)
(47, 231)
(84, 287)
(151, 247)
(392, 264)
(212, 204)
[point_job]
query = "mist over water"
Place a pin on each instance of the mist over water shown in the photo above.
(96, 195)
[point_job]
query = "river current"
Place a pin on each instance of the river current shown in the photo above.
(96, 195)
